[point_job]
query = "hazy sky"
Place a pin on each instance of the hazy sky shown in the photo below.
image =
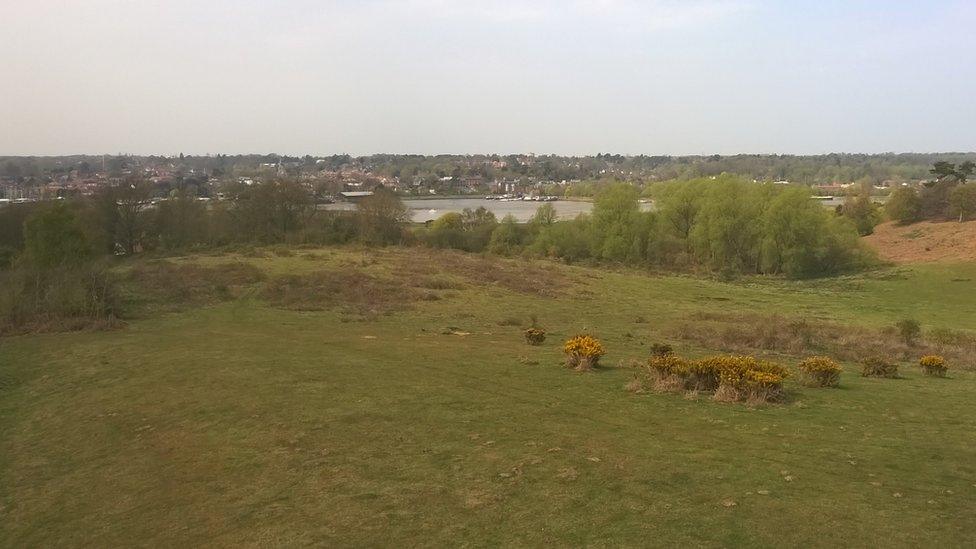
(438, 76)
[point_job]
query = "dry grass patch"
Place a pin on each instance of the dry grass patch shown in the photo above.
(525, 277)
(345, 288)
(750, 333)
(173, 285)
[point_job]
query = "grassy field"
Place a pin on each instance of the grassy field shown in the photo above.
(269, 416)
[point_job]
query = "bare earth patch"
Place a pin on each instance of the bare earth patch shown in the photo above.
(925, 241)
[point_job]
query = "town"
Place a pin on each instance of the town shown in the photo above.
(338, 177)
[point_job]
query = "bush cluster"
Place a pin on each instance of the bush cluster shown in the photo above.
(933, 365)
(583, 352)
(878, 366)
(732, 378)
(535, 336)
(820, 371)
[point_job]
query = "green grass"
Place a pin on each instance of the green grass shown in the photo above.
(242, 424)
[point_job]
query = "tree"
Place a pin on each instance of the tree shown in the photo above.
(269, 212)
(52, 237)
(909, 330)
(962, 201)
(726, 234)
(862, 211)
(130, 223)
(943, 170)
(614, 223)
(381, 216)
(545, 215)
(680, 206)
(507, 237)
(181, 221)
(904, 206)
(946, 171)
(12, 170)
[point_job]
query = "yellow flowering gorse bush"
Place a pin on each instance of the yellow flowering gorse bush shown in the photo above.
(820, 371)
(732, 377)
(583, 351)
(934, 365)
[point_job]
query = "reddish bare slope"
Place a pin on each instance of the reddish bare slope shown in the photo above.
(925, 242)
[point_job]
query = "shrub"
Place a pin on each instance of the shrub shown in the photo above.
(904, 206)
(583, 352)
(58, 299)
(820, 371)
(877, 366)
(933, 365)
(704, 374)
(747, 378)
(668, 372)
(661, 349)
(535, 336)
(909, 331)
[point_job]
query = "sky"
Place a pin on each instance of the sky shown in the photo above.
(570, 77)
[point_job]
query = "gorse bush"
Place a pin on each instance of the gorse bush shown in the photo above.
(731, 378)
(933, 365)
(820, 371)
(878, 366)
(667, 372)
(704, 374)
(746, 378)
(535, 336)
(583, 352)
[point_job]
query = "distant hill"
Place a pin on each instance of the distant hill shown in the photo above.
(925, 242)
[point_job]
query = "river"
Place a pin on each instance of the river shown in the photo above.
(428, 209)
(423, 210)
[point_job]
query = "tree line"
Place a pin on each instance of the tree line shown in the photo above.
(726, 224)
(948, 195)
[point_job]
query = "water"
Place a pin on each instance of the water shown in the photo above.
(423, 210)
(427, 210)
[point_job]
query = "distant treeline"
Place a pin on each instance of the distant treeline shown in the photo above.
(826, 168)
